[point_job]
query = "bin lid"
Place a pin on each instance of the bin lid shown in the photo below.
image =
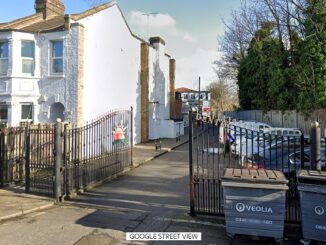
(259, 176)
(313, 177)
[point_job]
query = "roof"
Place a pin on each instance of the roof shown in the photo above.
(54, 24)
(21, 22)
(92, 11)
(36, 23)
(184, 90)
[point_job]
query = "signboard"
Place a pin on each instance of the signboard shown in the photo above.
(206, 107)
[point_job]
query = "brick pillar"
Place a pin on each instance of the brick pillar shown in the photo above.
(144, 80)
(80, 83)
(172, 88)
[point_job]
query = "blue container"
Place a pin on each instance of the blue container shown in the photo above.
(254, 202)
(312, 191)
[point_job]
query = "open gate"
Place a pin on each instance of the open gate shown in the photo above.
(218, 144)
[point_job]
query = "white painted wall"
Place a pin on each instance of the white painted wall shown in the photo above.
(112, 66)
(59, 88)
(159, 96)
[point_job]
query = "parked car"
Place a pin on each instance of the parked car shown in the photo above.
(295, 158)
(237, 128)
(275, 156)
(269, 139)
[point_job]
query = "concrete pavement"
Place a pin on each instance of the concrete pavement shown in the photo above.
(14, 203)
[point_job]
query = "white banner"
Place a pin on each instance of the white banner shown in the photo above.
(163, 236)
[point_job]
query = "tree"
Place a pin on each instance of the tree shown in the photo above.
(281, 65)
(260, 77)
(312, 60)
(223, 97)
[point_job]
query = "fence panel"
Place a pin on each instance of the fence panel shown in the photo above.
(290, 119)
(41, 159)
(12, 151)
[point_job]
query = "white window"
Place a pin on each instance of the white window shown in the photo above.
(27, 54)
(27, 112)
(3, 112)
(3, 57)
(57, 57)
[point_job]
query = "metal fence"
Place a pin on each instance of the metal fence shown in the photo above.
(216, 145)
(287, 119)
(40, 159)
(84, 156)
(97, 151)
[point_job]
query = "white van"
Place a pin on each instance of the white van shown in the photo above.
(289, 132)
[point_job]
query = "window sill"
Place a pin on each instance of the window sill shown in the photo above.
(56, 76)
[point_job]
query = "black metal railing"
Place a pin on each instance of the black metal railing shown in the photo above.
(97, 151)
(219, 144)
(40, 159)
(86, 155)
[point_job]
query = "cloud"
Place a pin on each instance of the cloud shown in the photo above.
(200, 63)
(151, 20)
(188, 37)
(157, 23)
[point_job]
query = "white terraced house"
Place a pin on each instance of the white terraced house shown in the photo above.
(79, 66)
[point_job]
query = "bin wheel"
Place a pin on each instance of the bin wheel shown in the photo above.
(231, 238)
(305, 242)
(278, 241)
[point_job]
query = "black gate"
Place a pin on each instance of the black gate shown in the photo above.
(219, 144)
(26, 158)
(90, 154)
(98, 151)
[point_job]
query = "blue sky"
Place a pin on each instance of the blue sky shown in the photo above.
(189, 27)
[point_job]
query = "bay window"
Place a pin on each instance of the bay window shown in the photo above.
(3, 112)
(4, 53)
(28, 54)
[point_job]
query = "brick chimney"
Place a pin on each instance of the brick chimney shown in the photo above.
(49, 8)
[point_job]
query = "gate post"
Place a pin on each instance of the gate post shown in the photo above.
(315, 146)
(27, 160)
(1, 158)
(58, 160)
(131, 135)
(191, 173)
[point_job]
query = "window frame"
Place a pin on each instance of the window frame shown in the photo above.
(21, 112)
(52, 58)
(7, 112)
(25, 58)
(5, 58)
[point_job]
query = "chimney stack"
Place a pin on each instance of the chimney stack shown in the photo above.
(49, 8)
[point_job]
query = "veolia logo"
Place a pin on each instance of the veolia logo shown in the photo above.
(240, 207)
(319, 210)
